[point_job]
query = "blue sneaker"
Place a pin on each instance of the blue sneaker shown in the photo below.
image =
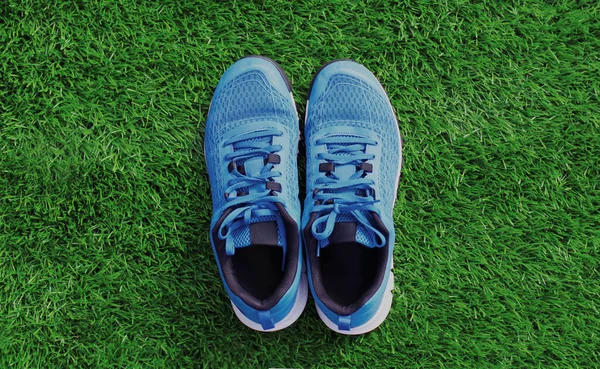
(251, 147)
(353, 160)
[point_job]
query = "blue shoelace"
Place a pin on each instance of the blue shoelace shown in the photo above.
(352, 196)
(245, 208)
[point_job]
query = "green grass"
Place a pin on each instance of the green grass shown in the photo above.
(105, 203)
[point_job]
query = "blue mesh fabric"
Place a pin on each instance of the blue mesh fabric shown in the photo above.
(241, 237)
(249, 95)
(348, 101)
(364, 237)
(246, 99)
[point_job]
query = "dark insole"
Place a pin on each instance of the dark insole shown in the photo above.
(258, 269)
(348, 270)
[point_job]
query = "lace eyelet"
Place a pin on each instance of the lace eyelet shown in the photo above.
(273, 159)
(273, 186)
(326, 167)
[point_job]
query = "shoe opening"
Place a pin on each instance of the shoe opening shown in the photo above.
(258, 269)
(349, 270)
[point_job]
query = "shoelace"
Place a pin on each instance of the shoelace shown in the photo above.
(249, 146)
(354, 196)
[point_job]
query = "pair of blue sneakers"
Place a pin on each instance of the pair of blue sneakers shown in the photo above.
(353, 160)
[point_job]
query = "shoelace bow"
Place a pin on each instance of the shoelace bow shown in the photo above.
(354, 196)
(249, 146)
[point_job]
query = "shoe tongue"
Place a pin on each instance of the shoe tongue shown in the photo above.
(262, 230)
(264, 233)
(343, 232)
(346, 229)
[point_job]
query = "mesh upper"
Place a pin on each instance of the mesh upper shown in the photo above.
(249, 98)
(348, 101)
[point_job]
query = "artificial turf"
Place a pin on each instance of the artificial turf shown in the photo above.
(105, 204)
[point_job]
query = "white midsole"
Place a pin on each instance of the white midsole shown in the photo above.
(399, 152)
